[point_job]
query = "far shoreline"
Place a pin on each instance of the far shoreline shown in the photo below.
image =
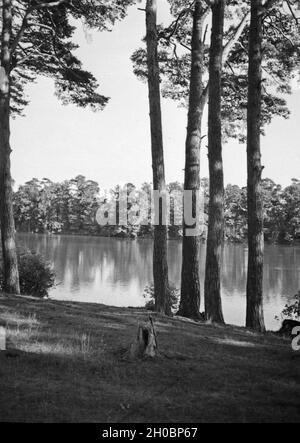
(294, 243)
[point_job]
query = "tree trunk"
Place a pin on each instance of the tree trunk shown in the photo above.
(213, 303)
(160, 265)
(255, 318)
(190, 277)
(11, 275)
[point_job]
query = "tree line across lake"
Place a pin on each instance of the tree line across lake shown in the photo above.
(69, 207)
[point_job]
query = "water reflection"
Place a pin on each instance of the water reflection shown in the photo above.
(115, 272)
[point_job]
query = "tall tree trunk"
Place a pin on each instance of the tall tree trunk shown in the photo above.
(190, 277)
(213, 303)
(255, 317)
(160, 264)
(11, 274)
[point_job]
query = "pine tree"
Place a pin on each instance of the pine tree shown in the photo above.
(160, 264)
(213, 303)
(35, 40)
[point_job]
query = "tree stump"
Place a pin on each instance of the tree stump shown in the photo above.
(146, 343)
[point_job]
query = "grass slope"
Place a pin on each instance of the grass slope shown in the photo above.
(67, 362)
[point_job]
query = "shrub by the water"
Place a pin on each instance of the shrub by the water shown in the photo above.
(150, 301)
(36, 275)
(292, 311)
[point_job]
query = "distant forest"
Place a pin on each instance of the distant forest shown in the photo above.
(69, 207)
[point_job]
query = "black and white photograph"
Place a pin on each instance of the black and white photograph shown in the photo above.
(149, 214)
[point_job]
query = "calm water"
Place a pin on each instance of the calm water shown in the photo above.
(115, 272)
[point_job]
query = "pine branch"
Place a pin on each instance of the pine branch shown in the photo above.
(176, 23)
(231, 43)
(25, 24)
(292, 12)
(282, 34)
(269, 5)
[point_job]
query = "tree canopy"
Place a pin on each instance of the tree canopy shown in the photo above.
(42, 45)
(281, 45)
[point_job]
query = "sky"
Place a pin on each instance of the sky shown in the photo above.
(113, 146)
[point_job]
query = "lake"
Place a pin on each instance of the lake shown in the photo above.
(115, 272)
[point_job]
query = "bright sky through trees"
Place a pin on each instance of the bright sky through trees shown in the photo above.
(113, 146)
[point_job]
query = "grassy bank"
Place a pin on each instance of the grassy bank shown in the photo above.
(68, 362)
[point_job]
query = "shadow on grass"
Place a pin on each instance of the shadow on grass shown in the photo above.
(69, 368)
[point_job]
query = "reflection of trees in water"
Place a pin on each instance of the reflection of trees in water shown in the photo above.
(234, 268)
(81, 258)
(282, 266)
(130, 261)
(281, 270)
(175, 257)
(82, 261)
